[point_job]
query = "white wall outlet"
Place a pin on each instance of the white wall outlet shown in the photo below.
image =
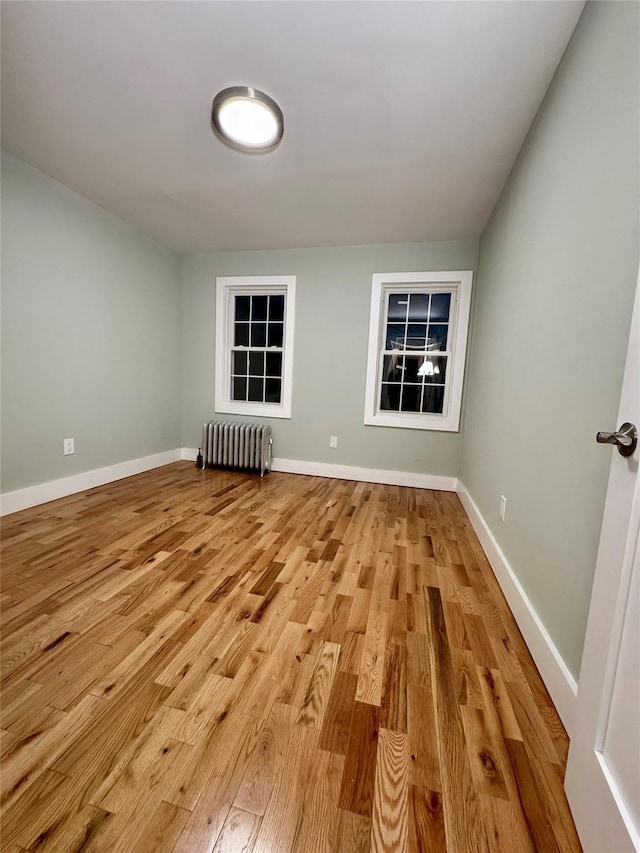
(333, 441)
(503, 507)
(69, 446)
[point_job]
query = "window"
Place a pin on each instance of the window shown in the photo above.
(417, 346)
(254, 345)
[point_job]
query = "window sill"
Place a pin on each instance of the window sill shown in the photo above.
(434, 423)
(259, 410)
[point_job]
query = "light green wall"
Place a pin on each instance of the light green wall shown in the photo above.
(90, 334)
(557, 273)
(333, 297)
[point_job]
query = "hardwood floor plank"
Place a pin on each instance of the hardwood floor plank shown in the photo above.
(239, 832)
(162, 830)
(426, 821)
(389, 824)
(371, 673)
(352, 833)
(462, 817)
(266, 762)
(316, 697)
(356, 794)
(334, 735)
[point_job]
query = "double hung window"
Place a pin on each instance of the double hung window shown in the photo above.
(254, 345)
(417, 344)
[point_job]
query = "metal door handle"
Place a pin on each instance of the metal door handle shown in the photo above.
(626, 439)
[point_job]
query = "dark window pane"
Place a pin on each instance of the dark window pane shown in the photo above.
(239, 388)
(411, 398)
(411, 366)
(418, 307)
(276, 307)
(434, 369)
(274, 364)
(256, 364)
(438, 337)
(395, 337)
(417, 336)
(242, 307)
(259, 308)
(433, 399)
(241, 338)
(440, 307)
(258, 334)
(390, 397)
(273, 390)
(256, 390)
(392, 368)
(275, 334)
(398, 303)
(240, 363)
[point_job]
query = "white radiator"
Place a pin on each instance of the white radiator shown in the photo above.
(233, 445)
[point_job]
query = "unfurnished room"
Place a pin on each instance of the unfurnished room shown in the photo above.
(320, 390)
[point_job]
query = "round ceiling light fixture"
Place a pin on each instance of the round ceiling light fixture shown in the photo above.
(247, 119)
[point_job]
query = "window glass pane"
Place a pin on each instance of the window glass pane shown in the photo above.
(258, 334)
(392, 368)
(411, 398)
(273, 389)
(417, 336)
(258, 307)
(240, 363)
(390, 397)
(395, 336)
(411, 367)
(239, 388)
(256, 364)
(433, 399)
(274, 364)
(256, 390)
(242, 307)
(398, 303)
(440, 307)
(275, 334)
(434, 369)
(418, 307)
(438, 337)
(276, 307)
(241, 337)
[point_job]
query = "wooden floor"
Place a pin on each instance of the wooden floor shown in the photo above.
(197, 661)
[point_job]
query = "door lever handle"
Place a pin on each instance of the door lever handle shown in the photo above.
(626, 439)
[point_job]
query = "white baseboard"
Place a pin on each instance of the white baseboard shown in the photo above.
(45, 492)
(559, 681)
(350, 472)
(366, 475)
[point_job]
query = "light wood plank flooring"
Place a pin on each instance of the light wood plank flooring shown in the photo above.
(204, 661)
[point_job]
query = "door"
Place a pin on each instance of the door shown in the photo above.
(603, 770)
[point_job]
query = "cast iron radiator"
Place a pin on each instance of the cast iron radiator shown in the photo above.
(232, 445)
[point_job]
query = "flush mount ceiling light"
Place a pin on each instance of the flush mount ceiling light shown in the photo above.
(247, 119)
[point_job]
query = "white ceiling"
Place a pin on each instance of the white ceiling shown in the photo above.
(402, 119)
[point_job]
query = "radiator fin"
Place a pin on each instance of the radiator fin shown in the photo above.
(227, 444)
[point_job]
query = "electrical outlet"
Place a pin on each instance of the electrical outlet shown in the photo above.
(503, 507)
(333, 441)
(69, 446)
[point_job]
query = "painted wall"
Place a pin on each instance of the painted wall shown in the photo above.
(557, 273)
(333, 296)
(90, 334)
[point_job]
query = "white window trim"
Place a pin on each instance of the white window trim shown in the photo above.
(226, 288)
(460, 282)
